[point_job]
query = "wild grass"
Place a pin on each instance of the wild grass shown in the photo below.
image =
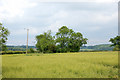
(0, 67)
(61, 65)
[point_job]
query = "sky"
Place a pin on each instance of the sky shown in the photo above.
(97, 20)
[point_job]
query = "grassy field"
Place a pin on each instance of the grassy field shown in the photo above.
(61, 65)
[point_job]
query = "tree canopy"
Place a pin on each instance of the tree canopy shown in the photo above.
(65, 40)
(3, 37)
(45, 42)
(68, 40)
(115, 42)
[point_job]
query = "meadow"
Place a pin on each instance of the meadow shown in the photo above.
(61, 65)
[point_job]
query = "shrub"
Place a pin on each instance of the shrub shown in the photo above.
(13, 52)
(31, 50)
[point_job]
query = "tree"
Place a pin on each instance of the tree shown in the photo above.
(3, 37)
(116, 42)
(45, 42)
(76, 41)
(69, 41)
(65, 40)
(62, 38)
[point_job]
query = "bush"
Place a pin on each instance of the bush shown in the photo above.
(31, 50)
(12, 52)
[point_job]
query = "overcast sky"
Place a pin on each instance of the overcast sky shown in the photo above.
(95, 19)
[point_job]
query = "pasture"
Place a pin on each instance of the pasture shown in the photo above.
(61, 65)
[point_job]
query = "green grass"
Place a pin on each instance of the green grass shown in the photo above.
(0, 67)
(61, 65)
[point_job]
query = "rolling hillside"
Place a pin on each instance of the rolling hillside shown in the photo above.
(102, 47)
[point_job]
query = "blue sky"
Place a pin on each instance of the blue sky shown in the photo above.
(97, 20)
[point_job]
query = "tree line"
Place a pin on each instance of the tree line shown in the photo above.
(65, 40)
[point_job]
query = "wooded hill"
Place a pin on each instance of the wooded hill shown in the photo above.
(101, 47)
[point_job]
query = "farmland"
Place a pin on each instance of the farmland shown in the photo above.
(61, 65)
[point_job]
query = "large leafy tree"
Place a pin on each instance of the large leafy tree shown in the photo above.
(115, 42)
(45, 42)
(76, 40)
(3, 37)
(63, 38)
(68, 40)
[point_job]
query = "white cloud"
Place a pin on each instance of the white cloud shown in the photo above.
(54, 27)
(61, 15)
(106, 18)
(94, 41)
(11, 8)
(23, 31)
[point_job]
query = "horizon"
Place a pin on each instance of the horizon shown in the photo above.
(81, 46)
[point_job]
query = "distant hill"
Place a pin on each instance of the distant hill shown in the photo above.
(19, 48)
(101, 47)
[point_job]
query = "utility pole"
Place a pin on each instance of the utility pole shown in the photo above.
(27, 41)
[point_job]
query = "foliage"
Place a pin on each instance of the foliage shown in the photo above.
(13, 52)
(65, 65)
(31, 50)
(101, 47)
(66, 40)
(45, 43)
(63, 39)
(116, 42)
(116, 48)
(3, 37)
(19, 48)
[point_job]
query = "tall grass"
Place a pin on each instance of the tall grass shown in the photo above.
(0, 67)
(61, 65)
